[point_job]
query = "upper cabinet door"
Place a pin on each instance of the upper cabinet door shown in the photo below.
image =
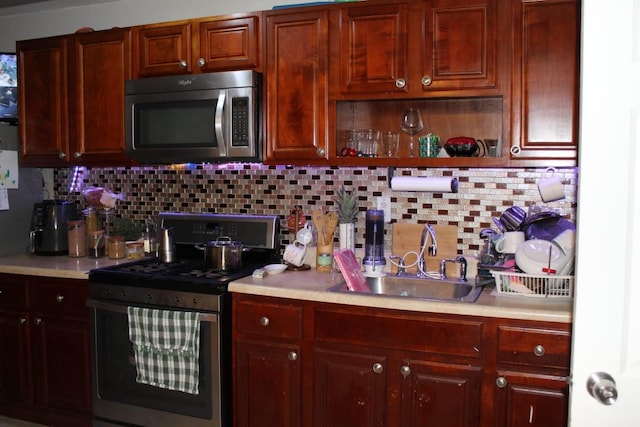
(459, 45)
(373, 49)
(43, 102)
(230, 44)
(163, 49)
(221, 43)
(99, 65)
(297, 86)
(546, 80)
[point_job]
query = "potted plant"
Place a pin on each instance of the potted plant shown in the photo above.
(348, 209)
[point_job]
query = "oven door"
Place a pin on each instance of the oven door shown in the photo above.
(118, 398)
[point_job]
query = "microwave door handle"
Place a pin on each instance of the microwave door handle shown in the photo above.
(222, 145)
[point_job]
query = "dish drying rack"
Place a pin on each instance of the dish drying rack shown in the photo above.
(533, 286)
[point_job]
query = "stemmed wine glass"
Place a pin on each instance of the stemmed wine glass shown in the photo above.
(411, 124)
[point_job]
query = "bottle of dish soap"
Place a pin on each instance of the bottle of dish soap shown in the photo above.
(488, 255)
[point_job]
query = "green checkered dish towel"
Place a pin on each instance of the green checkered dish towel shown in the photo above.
(167, 347)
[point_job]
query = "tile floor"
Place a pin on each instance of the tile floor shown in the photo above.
(10, 422)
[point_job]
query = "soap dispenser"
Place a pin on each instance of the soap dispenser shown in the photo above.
(488, 255)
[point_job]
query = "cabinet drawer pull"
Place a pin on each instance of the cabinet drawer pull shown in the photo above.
(400, 83)
(77, 154)
(405, 371)
(264, 321)
(377, 368)
(183, 64)
(538, 350)
(61, 155)
(501, 382)
(515, 150)
(22, 320)
(59, 298)
(293, 356)
(201, 62)
(38, 320)
(320, 152)
(426, 81)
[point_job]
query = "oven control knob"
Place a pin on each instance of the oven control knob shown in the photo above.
(264, 321)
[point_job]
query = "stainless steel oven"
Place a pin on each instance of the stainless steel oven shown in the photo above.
(186, 285)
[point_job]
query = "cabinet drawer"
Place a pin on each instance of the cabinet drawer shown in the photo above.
(438, 335)
(59, 299)
(269, 319)
(540, 347)
(13, 295)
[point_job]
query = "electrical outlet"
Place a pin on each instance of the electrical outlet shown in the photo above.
(384, 204)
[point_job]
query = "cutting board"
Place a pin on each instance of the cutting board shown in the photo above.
(406, 237)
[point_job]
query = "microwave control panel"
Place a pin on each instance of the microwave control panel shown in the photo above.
(240, 122)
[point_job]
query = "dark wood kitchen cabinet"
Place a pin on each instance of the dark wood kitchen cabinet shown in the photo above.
(532, 375)
(296, 89)
(222, 43)
(72, 99)
(335, 365)
(545, 82)
(418, 48)
(268, 357)
(407, 370)
(44, 334)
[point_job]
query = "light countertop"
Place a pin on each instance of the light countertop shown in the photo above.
(312, 286)
(53, 266)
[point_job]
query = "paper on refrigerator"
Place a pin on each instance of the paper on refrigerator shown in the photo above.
(8, 169)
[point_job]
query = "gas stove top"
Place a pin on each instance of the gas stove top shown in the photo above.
(258, 234)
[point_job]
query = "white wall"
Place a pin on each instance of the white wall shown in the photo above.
(123, 13)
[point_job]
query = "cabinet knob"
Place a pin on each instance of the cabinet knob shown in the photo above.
(293, 356)
(501, 382)
(426, 81)
(22, 320)
(183, 64)
(59, 298)
(264, 321)
(515, 150)
(538, 350)
(38, 320)
(77, 154)
(400, 83)
(377, 368)
(61, 155)
(201, 62)
(320, 152)
(405, 371)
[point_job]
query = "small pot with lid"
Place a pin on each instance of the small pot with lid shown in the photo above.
(222, 254)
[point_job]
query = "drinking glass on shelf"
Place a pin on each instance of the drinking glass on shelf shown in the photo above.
(411, 124)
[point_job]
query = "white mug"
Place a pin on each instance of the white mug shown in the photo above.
(507, 243)
(550, 187)
(294, 253)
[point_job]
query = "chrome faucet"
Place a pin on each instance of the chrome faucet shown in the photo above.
(463, 267)
(432, 250)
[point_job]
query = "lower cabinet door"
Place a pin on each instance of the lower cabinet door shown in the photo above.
(62, 373)
(268, 389)
(440, 394)
(531, 400)
(350, 388)
(14, 358)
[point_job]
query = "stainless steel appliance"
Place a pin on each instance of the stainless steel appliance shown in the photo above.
(48, 235)
(213, 117)
(184, 285)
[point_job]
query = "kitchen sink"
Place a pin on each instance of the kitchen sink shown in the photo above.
(414, 287)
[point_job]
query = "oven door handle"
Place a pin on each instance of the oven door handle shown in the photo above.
(117, 308)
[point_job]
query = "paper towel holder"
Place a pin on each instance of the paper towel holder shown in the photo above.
(392, 170)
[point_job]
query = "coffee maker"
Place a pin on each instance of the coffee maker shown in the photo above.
(48, 235)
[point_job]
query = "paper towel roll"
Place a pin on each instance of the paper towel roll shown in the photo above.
(424, 183)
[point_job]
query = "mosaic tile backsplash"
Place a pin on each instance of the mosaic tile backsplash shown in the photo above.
(482, 194)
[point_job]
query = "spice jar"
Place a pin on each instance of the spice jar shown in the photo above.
(92, 221)
(96, 244)
(116, 247)
(135, 250)
(76, 237)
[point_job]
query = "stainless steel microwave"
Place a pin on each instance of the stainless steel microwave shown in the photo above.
(200, 118)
